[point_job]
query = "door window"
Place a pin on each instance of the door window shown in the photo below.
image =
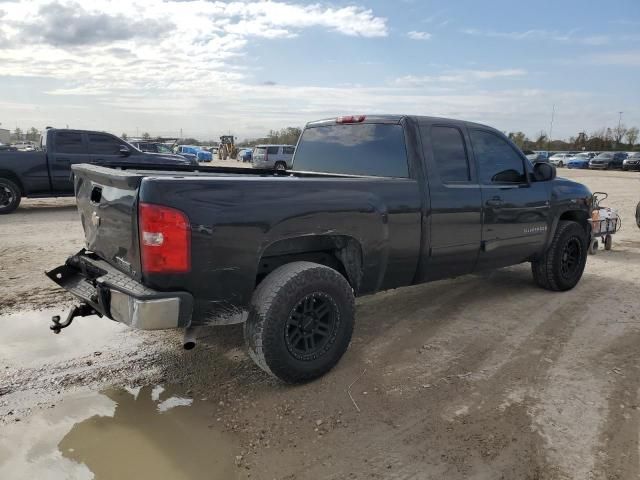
(69, 142)
(450, 154)
(288, 150)
(498, 162)
(103, 144)
(273, 150)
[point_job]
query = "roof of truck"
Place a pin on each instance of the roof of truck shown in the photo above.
(393, 119)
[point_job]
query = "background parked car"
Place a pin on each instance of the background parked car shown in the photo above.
(543, 155)
(607, 160)
(246, 154)
(560, 159)
(152, 147)
(195, 152)
(581, 160)
(534, 156)
(278, 157)
(632, 162)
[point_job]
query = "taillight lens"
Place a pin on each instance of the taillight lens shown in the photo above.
(165, 239)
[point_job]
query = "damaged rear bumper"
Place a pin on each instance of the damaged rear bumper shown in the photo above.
(117, 296)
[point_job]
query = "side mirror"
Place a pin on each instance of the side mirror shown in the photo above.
(544, 172)
(124, 151)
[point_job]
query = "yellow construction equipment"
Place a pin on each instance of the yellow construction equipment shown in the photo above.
(227, 148)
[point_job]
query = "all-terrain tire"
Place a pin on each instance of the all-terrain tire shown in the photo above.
(274, 304)
(561, 267)
(10, 196)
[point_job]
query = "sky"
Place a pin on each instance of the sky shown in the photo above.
(208, 68)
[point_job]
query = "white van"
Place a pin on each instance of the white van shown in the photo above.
(277, 157)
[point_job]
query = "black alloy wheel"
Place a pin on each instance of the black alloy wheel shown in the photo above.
(311, 325)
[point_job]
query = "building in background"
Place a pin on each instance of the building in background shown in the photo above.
(5, 136)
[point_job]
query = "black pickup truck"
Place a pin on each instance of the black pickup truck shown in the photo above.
(47, 172)
(372, 203)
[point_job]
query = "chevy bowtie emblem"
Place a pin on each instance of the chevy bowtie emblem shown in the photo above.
(95, 219)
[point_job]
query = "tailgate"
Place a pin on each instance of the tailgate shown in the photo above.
(107, 201)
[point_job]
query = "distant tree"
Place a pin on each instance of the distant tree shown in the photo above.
(581, 140)
(17, 134)
(33, 134)
(541, 140)
(518, 138)
(146, 136)
(618, 133)
(190, 141)
(632, 136)
(124, 136)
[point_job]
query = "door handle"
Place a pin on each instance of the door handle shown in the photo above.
(495, 202)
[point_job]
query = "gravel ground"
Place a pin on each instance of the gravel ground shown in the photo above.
(484, 376)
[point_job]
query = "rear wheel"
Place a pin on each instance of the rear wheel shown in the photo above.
(593, 246)
(560, 164)
(608, 242)
(281, 166)
(300, 322)
(10, 196)
(561, 267)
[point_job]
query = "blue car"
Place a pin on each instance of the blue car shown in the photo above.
(245, 155)
(581, 160)
(195, 152)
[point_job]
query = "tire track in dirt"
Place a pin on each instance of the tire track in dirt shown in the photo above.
(617, 455)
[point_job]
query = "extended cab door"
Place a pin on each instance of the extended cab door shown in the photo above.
(515, 211)
(455, 214)
(69, 147)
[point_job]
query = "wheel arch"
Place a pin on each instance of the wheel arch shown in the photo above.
(9, 175)
(340, 252)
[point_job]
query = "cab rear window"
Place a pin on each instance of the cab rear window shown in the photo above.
(359, 149)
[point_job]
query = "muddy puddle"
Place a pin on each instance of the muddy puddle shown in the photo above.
(148, 432)
(28, 342)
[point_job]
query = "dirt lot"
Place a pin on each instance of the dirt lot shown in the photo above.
(486, 376)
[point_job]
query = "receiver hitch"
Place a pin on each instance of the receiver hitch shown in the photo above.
(82, 310)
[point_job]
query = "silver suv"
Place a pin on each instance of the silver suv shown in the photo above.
(277, 157)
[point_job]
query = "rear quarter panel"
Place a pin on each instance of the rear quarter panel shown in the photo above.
(234, 219)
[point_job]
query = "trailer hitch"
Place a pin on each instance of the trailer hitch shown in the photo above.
(82, 310)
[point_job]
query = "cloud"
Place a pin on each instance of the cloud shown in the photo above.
(457, 76)
(623, 59)
(71, 25)
(419, 35)
(572, 36)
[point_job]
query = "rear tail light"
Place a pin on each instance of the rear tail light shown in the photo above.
(165, 239)
(351, 119)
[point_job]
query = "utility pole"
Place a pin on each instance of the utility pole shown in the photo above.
(553, 114)
(618, 131)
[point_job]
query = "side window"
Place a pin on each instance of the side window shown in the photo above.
(288, 150)
(103, 144)
(273, 150)
(497, 161)
(450, 154)
(69, 142)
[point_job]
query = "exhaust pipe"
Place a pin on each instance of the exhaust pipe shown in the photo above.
(189, 341)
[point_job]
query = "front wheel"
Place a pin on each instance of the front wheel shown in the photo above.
(10, 196)
(561, 267)
(301, 321)
(560, 164)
